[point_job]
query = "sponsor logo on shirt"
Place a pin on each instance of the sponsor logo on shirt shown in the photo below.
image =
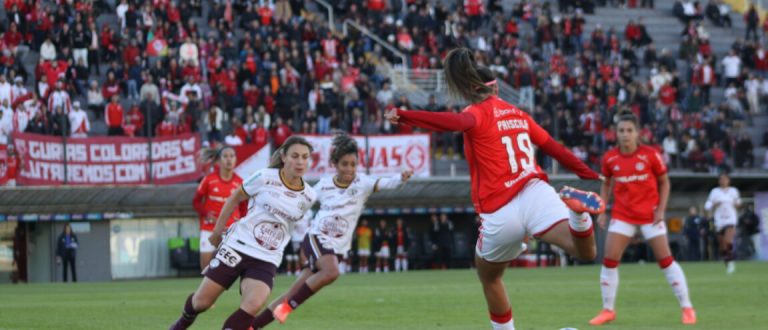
(632, 178)
(269, 235)
(522, 175)
(502, 112)
(280, 213)
(334, 226)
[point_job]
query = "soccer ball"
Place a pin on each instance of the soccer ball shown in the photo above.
(569, 329)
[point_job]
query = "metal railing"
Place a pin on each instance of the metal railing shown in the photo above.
(331, 21)
(345, 29)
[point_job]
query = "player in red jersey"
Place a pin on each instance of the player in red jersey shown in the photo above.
(509, 191)
(211, 194)
(637, 178)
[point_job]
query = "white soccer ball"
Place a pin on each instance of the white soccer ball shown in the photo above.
(569, 329)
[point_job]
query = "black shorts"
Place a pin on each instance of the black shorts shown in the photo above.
(313, 250)
(289, 250)
(248, 267)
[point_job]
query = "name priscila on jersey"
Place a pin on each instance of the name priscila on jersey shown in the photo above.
(512, 124)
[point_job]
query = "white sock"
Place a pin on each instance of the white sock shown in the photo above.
(503, 326)
(405, 264)
(609, 284)
(676, 279)
(579, 221)
(342, 268)
(386, 269)
(397, 264)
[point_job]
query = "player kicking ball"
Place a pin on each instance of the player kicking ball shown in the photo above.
(509, 191)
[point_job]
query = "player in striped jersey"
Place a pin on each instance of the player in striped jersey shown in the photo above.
(342, 198)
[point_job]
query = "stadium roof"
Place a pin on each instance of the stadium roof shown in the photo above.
(176, 200)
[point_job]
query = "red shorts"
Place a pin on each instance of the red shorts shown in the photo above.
(224, 271)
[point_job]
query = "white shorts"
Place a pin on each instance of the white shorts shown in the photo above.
(401, 250)
(627, 229)
(383, 252)
(721, 224)
(534, 211)
(205, 245)
(364, 252)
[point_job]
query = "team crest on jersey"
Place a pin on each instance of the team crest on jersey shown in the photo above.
(269, 235)
(302, 206)
(290, 194)
(639, 166)
(215, 189)
(352, 192)
(334, 226)
(616, 167)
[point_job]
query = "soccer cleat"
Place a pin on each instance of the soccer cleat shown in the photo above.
(730, 268)
(281, 312)
(689, 315)
(604, 317)
(582, 201)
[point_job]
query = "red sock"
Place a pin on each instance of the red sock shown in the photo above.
(501, 318)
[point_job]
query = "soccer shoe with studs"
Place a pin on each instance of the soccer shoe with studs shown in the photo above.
(689, 316)
(604, 317)
(281, 312)
(580, 201)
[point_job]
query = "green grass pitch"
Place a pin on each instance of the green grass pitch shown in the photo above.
(547, 298)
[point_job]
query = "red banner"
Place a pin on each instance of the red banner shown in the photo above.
(106, 160)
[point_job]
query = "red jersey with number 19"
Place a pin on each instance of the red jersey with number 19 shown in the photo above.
(500, 154)
(635, 185)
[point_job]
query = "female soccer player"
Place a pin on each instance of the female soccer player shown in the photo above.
(509, 190)
(722, 202)
(253, 247)
(211, 194)
(342, 198)
(640, 191)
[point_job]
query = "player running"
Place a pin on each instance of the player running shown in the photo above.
(211, 194)
(342, 198)
(253, 247)
(637, 177)
(723, 202)
(509, 191)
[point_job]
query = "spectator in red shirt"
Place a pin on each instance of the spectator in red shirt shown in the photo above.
(668, 95)
(136, 118)
(113, 115)
(111, 87)
(281, 132)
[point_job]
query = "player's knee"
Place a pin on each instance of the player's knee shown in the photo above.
(331, 274)
(251, 305)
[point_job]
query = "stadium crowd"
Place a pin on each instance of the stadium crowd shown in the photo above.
(258, 71)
